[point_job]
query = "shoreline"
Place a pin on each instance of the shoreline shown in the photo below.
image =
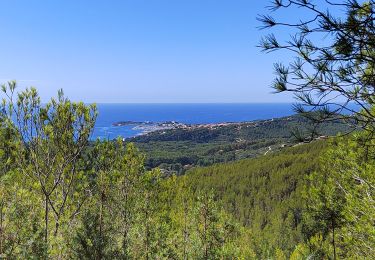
(148, 127)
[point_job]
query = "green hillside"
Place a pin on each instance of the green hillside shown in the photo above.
(264, 194)
(177, 150)
(64, 198)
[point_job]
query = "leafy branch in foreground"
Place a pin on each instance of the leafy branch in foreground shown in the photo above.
(50, 140)
(334, 76)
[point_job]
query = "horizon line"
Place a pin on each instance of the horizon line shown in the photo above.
(186, 103)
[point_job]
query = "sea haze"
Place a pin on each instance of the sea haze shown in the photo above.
(183, 113)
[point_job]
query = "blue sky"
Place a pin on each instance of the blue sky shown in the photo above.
(138, 51)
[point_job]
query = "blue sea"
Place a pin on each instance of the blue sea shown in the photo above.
(183, 113)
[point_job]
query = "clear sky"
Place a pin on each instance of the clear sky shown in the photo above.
(138, 51)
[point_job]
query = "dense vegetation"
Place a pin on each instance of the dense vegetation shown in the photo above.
(175, 151)
(264, 194)
(314, 200)
(64, 198)
(61, 198)
(326, 77)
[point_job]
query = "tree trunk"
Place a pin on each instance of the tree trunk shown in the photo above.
(333, 239)
(147, 228)
(1, 229)
(100, 253)
(46, 223)
(185, 230)
(57, 225)
(205, 233)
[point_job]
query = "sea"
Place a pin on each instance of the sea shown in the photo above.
(109, 114)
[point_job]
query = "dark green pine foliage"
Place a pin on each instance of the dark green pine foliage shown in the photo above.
(264, 194)
(90, 242)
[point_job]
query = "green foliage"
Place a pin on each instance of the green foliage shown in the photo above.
(327, 76)
(49, 141)
(91, 241)
(340, 199)
(177, 150)
(133, 213)
(63, 198)
(264, 194)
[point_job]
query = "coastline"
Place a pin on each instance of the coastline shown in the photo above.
(148, 127)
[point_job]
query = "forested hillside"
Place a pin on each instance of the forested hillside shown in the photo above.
(265, 194)
(310, 201)
(287, 188)
(63, 197)
(177, 150)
